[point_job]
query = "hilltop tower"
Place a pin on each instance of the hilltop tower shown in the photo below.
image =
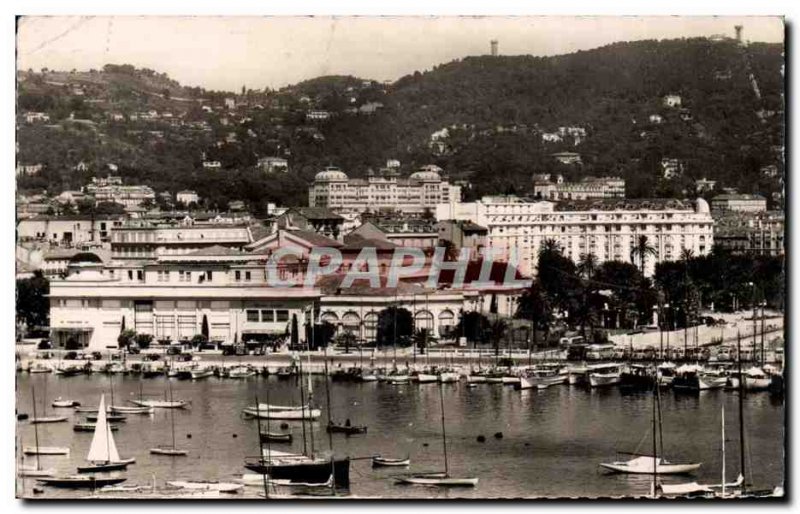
(493, 44)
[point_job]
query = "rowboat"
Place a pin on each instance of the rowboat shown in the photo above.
(398, 379)
(45, 450)
(240, 372)
(424, 378)
(275, 437)
(131, 410)
(48, 419)
(77, 482)
(201, 485)
(283, 414)
(169, 451)
(161, 404)
(378, 461)
(90, 427)
(438, 479)
(39, 368)
(58, 402)
(644, 465)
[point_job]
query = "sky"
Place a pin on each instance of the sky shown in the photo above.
(226, 53)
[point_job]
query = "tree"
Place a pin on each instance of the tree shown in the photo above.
(322, 336)
(533, 305)
(204, 328)
(641, 251)
(198, 340)
(472, 325)
(295, 335)
(33, 305)
(496, 332)
(143, 340)
(395, 326)
(422, 339)
(346, 339)
(125, 338)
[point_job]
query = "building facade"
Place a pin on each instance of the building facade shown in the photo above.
(739, 203)
(609, 229)
(760, 233)
(585, 189)
(383, 191)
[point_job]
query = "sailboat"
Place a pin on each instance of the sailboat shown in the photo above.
(103, 455)
(171, 451)
(37, 470)
(651, 464)
(693, 488)
(439, 479)
(46, 419)
(41, 450)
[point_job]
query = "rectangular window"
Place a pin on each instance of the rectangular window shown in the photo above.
(247, 276)
(252, 316)
(238, 275)
(139, 275)
(209, 275)
(130, 274)
(282, 315)
(267, 316)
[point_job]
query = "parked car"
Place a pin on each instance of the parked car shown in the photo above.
(71, 356)
(97, 356)
(44, 344)
(174, 350)
(153, 357)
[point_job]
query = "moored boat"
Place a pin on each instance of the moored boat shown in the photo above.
(59, 402)
(90, 427)
(643, 464)
(124, 409)
(605, 378)
(301, 468)
(45, 450)
(161, 404)
(169, 451)
(275, 437)
(345, 429)
(77, 482)
(378, 461)
(47, 419)
(437, 479)
(298, 414)
(103, 455)
(206, 485)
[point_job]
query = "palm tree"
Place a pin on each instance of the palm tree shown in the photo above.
(642, 250)
(686, 255)
(497, 330)
(551, 245)
(587, 265)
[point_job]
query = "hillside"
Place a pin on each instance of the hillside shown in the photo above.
(498, 111)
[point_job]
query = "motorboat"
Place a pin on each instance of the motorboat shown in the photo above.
(436, 479)
(755, 379)
(643, 464)
(542, 378)
(605, 378)
(39, 367)
(692, 377)
(200, 373)
(111, 418)
(448, 377)
(241, 372)
(424, 378)
(378, 461)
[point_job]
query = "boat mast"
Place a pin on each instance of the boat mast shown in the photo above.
(36, 429)
(172, 411)
(302, 406)
(261, 444)
(723, 450)
(660, 418)
(655, 447)
(444, 433)
(741, 410)
(330, 433)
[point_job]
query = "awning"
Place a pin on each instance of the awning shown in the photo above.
(80, 330)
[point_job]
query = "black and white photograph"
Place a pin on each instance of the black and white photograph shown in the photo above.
(317, 258)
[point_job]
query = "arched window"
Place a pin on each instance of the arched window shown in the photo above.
(370, 326)
(423, 319)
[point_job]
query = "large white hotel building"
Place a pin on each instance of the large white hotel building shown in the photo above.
(382, 191)
(607, 228)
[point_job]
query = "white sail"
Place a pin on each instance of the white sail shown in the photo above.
(103, 448)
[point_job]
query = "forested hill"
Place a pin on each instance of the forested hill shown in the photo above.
(501, 114)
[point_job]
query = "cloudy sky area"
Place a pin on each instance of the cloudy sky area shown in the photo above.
(228, 52)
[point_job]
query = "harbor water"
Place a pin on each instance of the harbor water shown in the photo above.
(552, 440)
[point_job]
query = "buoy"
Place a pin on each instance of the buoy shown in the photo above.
(425, 445)
(498, 435)
(235, 436)
(481, 439)
(527, 444)
(188, 436)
